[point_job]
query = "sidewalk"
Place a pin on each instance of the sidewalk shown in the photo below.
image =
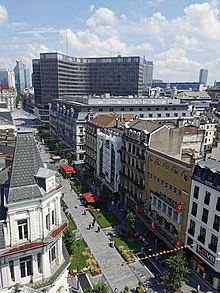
(117, 277)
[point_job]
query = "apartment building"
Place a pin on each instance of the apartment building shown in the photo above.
(8, 95)
(203, 224)
(31, 224)
(68, 117)
(167, 193)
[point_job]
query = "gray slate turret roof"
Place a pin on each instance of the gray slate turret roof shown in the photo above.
(26, 164)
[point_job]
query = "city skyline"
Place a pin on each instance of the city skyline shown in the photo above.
(180, 41)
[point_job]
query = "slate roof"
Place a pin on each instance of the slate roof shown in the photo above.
(146, 125)
(26, 163)
(211, 164)
(5, 114)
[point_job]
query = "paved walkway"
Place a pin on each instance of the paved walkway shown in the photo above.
(98, 242)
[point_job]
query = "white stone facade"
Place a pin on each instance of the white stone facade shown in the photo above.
(108, 168)
(33, 250)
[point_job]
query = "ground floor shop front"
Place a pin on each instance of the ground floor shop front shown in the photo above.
(197, 263)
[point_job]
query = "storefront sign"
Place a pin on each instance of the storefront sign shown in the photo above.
(205, 254)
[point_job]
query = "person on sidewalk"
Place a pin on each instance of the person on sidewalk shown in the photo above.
(84, 213)
(93, 222)
(198, 289)
(98, 229)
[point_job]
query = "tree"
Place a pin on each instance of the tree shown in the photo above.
(100, 287)
(176, 273)
(131, 219)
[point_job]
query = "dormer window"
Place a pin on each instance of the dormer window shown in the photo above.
(210, 176)
(198, 171)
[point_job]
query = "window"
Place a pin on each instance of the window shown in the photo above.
(52, 254)
(26, 266)
(214, 243)
(22, 229)
(196, 192)
(198, 171)
(140, 109)
(205, 215)
(53, 217)
(39, 263)
(100, 109)
(141, 115)
(169, 212)
(207, 198)
(122, 109)
(167, 114)
(48, 222)
(158, 115)
(81, 129)
(150, 115)
(216, 223)
(111, 109)
(210, 176)
(189, 241)
(218, 205)
(12, 272)
(131, 109)
(154, 201)
(159, 204)
(164, 207)
(157, 109)
(192, 227)
(194, 209)
(202, 235)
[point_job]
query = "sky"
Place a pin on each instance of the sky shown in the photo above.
(179, 36)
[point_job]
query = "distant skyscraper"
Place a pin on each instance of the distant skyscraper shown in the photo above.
(22, 76)
(148, 73)
(203, 76)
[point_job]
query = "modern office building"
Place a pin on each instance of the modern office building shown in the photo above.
(56, 75)
(68, 117)
(148, 73)
(22, 76)
(204, 222)
(32, 252)
(203, 76)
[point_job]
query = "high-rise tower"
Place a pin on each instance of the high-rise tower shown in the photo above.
(203, 76)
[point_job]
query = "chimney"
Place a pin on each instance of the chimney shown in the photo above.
(180, 123)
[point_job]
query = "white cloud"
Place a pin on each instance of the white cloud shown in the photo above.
(32, 51)
(3, 14)
(7, 63)
(91, 8)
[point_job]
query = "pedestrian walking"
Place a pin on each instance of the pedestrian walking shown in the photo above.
(89, 226)
(84, 213)
(93, 223)
(198, 288)
(98, 229)
(76, 206)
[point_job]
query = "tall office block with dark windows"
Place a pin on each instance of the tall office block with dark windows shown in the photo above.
(148, 73)
(56, 75)
(203, 76)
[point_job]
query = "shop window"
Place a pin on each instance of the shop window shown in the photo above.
(52, 254)
(214, 243)
(164, 207)
(216, 223)
(205, 215)
(202, 235)
(207, 197)
(194, 209)
(196, 192)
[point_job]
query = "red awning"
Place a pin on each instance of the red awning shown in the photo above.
(68, 169)
(90, 197)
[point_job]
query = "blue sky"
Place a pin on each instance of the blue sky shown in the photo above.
(180, 36)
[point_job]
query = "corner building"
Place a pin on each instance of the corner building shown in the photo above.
(204, 222)
(31, 225)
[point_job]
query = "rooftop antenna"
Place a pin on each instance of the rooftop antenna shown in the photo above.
(66, 43)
